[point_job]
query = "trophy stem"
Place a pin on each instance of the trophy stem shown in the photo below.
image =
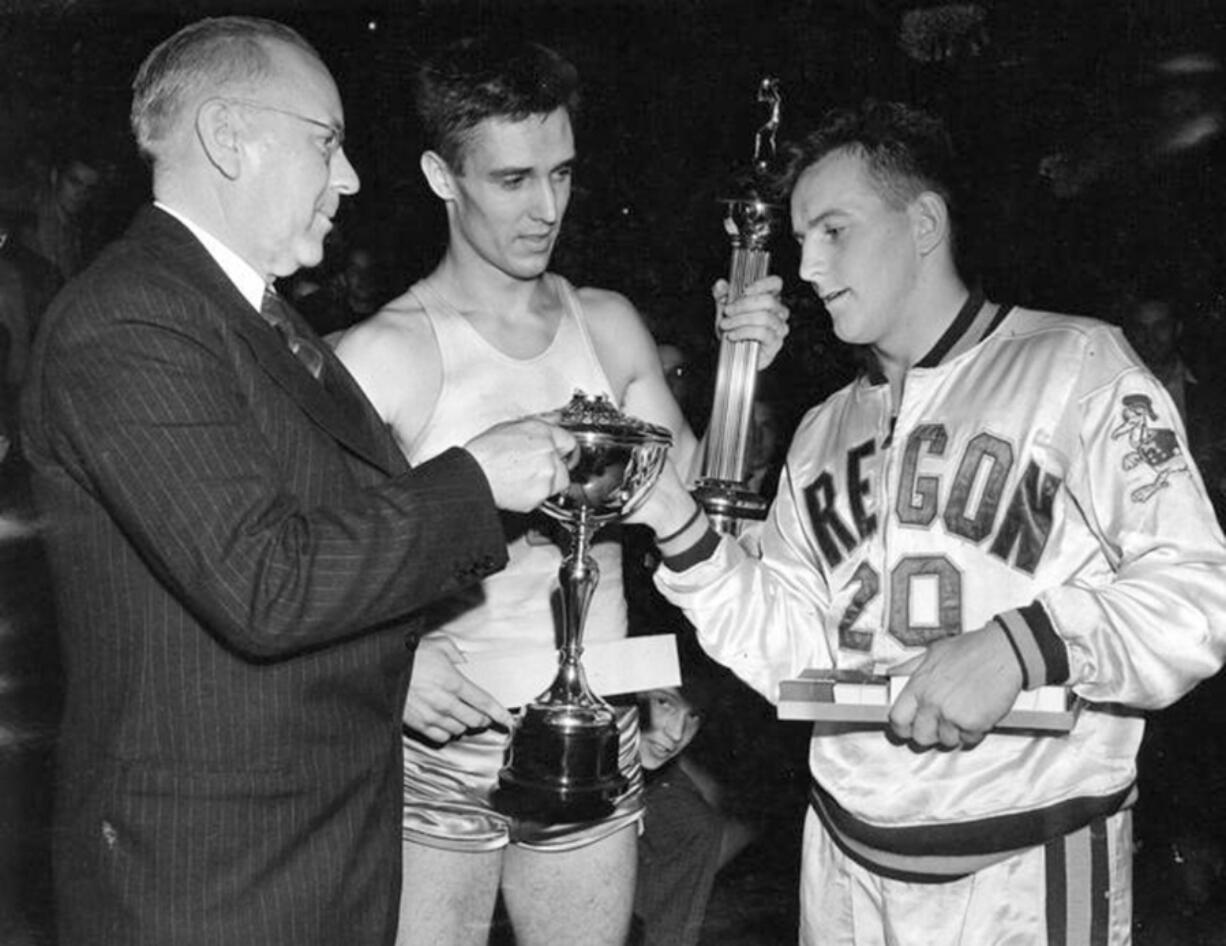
(578, 576)
(563, 760)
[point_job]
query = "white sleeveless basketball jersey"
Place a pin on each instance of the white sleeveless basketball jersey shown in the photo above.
(483, 386)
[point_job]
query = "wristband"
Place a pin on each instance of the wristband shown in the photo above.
(660, 540)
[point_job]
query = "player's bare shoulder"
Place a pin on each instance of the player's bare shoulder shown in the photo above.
(606, 309)
(623, 344)
(394, 356)
(401, 324)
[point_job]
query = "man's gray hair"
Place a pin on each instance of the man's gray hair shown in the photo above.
(207, 56)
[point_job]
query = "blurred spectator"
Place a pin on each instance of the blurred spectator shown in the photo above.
(12, 325)
(62, 230)
(347, 293)
(1182, 840)
(1154, 326)
(27, 284)
(688, 835)
(767, 445)
(40, 279)
(29, 675)
(683, 372)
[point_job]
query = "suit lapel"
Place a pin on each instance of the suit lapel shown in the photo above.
(339, 406)
(361, 418)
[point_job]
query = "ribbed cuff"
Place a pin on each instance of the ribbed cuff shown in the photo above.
(677, 542)
(697, 552)
(1039, 649)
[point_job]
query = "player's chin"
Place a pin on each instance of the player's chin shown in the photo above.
(530, 267)
(848, 331)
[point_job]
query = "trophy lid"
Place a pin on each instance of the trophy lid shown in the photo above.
(596, 416)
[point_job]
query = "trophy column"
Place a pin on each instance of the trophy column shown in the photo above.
(751, 222)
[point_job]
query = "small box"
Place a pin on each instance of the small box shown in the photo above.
(849, 696)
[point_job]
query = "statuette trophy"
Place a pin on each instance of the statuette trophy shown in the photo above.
(750, 221)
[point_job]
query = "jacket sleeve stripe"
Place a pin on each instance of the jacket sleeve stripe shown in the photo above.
(1040, 650)
(700, 551)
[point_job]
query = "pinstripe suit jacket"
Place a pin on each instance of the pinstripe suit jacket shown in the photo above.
(237, 554)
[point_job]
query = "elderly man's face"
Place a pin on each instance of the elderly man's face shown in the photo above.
(296, 170)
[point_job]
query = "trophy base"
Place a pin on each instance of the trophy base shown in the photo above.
(562, 765)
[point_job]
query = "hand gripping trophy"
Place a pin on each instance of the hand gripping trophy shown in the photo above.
(751, 221)
(562, 763)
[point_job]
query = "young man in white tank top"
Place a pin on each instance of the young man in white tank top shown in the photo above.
(490, 335)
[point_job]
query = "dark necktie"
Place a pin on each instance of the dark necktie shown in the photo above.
(277, 313)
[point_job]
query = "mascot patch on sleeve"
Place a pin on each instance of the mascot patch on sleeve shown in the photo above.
(1156, 447)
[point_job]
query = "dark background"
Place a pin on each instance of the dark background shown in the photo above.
(1096, 88)
(1090, 129)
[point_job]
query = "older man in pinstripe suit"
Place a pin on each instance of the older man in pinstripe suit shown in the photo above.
(237, 544)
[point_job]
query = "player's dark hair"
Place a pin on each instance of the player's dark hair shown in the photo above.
(484, 77)
(906, 151)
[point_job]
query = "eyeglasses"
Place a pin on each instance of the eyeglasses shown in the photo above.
(336, 133)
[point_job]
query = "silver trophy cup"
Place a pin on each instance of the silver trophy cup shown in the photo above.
(562, 762)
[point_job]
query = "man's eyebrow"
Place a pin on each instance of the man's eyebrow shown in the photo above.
(566, 165)
(510, 172)
(818, 219)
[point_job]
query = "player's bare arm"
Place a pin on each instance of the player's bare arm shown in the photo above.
(395, 359)
(627, 352)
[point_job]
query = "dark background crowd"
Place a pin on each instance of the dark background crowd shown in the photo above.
(1095, 127)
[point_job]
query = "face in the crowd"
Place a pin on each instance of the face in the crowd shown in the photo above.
(676, 367)
(763, 435)
(1154, 333)
(297, 170)
(858, 251)
(670, 725)
(512, 190)
(74, 187)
